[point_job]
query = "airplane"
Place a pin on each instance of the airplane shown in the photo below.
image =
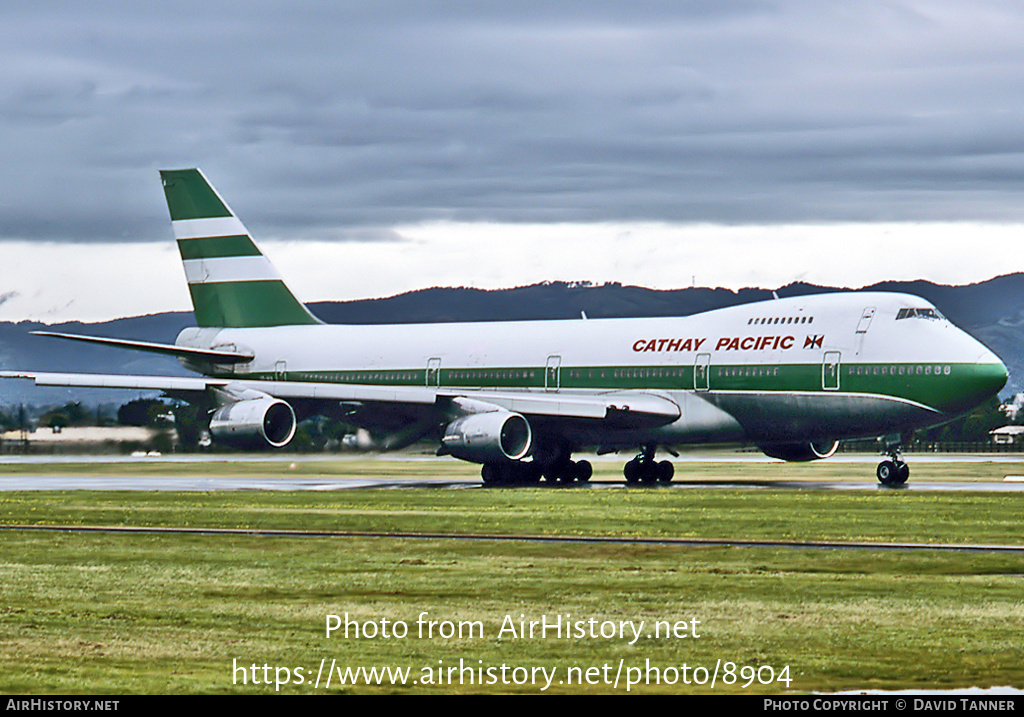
(793, 376)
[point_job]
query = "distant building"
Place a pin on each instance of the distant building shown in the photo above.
(75, 439)
(1007, 435)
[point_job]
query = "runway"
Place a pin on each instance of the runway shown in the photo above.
(298, 483)
(1001, 472)
(399, 457)
(223, 483)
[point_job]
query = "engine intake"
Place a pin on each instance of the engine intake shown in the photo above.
(254, 422)
(495, 436)
(800, 452)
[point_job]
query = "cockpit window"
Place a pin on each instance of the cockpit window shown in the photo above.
(919, 314)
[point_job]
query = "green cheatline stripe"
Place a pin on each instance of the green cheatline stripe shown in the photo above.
(969, 380)
(247, 304)
(217, 247)
(189, 196)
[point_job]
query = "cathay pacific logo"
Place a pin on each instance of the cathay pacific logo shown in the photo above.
(814, 342)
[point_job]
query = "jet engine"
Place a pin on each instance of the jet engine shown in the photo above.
(810, 451)
(491, 437)
(254, 422)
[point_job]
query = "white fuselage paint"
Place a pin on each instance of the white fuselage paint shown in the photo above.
(617, 342)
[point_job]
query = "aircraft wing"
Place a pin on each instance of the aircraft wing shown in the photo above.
(621, 409)
(625, 408)
(101, 380)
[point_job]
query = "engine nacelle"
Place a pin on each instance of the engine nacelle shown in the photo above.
(254, 422)
(810, 451)
(492, 437)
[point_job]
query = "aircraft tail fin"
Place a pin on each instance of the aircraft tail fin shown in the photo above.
(232, 284)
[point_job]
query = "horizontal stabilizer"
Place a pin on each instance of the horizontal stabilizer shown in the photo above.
(167, 349)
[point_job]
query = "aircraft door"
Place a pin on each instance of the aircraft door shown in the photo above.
(434, 372)
(862, 327)
(702, 373)
(280, 369)
(830, 371)
(553, 373)
(865, 320)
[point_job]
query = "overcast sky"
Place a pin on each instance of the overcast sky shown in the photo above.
(376, 147)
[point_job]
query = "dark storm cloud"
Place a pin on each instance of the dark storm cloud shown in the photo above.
(339, 120)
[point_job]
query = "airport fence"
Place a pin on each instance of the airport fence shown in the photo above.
(919, 447)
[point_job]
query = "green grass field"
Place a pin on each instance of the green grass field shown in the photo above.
(111, 613)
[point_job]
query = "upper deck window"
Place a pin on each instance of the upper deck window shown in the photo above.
(919, 314)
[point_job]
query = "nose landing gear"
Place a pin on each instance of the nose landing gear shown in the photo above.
(894, 471)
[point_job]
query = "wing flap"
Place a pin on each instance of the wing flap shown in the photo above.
(344, 391)
(624, 409)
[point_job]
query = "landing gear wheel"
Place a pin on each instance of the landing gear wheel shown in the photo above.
(665, 471)
(644, 469)
(649, 473)
(632, 471)
(512, 474)
(902, 472)
(568, 474)
(583, 471)
(555, 473)
(529, 474)
(892, 472)
(489, 472)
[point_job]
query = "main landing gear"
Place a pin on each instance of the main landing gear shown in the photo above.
(644, 469)
(514, 474)
(554, 466)
(894, 471)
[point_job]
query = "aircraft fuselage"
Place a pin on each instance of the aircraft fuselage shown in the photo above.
(816, 367)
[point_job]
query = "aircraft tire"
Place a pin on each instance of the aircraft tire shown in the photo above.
(583, 471)
(632, 471)
(490, 473)
(902, 473)
(665, 471)
(511, 474)
(530, 474)
(888, 473)
(556, 472)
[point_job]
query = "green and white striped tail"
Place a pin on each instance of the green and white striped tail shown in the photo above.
(232, 284)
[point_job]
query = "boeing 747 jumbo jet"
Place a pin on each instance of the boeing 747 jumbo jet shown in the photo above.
(793, 376)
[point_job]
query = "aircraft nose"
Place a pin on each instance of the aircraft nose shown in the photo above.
(984, 379)
(996, 375)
